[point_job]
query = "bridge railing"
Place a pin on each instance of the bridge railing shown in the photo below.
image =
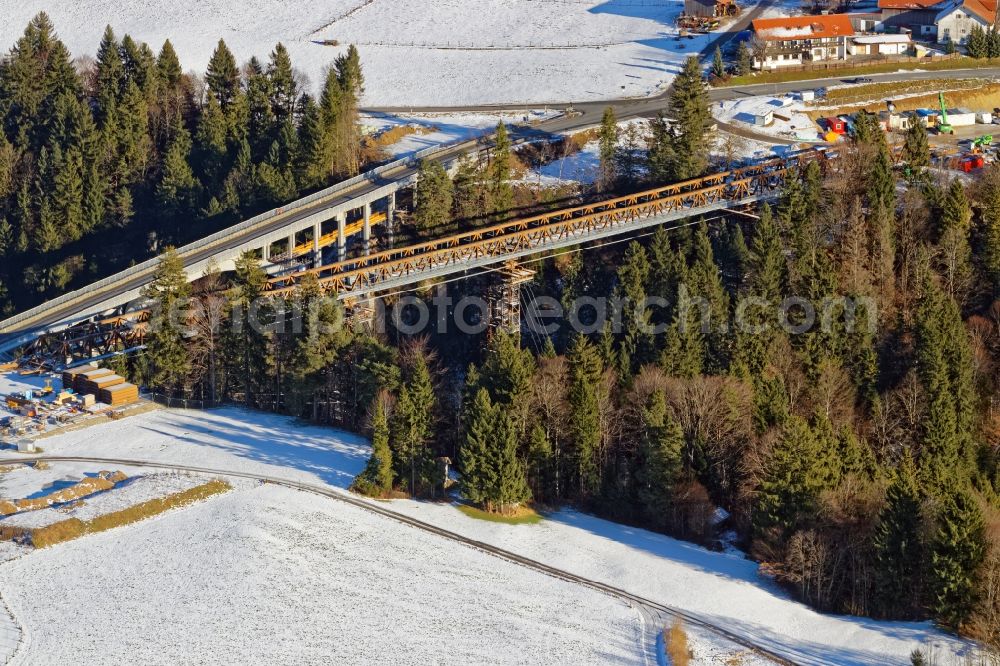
(150, 264)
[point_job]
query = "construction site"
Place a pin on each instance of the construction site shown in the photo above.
(84, 394)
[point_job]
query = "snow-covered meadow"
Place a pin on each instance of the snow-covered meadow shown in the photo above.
(429, 53)
(269, 575)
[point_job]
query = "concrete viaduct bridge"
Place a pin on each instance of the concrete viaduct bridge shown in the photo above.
(104, 310)
(299, 232)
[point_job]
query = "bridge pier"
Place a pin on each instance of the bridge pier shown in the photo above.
(341, 236)
(366, 229)
(317, 253)
(390, 215)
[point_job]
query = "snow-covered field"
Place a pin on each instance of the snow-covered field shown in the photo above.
(268, 575)
(430, 53)
(291, 566)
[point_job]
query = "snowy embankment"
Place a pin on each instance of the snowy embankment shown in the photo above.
(721, 588)
(264, 574)
(427, 130)
(430, 53)
(788, 118)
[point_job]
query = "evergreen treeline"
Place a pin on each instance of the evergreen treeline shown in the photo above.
(983, 42)
(105, 160)
(856, 457)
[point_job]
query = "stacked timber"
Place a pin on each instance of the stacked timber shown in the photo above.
(78, 377)
(69, 377)
(95, 385)
(119, 394)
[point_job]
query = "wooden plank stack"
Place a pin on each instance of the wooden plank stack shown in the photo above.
(119, 394)
(108, 387)
(85, 385)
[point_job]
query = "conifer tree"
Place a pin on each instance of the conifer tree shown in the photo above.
(248, 337)
(311, 166)
(953, 242)
(479, 476)
(990, 244)
(639, 344)
(223, 76)
(899, 549)
(705, 282)
(348, 131)
(512, 485)
(718, 65)
(797, 470)
(284, 90)
(176, 193)
(944, 367)
(608, 149)
(140, 66)
(377, 477)
(744, 61)
(767, 258)
(500, 190)
(211, 149)
(492, 474)
(866, 129)
(585, 378)
(413, 427)
(168, 66)
(976, 43)
(916, 151)
(433, 197)
(661, 456)
(957, 551)
(659, 153)
(110, 78)
(690, 112)
(685, 342)
(166, 348)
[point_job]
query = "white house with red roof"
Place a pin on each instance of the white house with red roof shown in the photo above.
(799, 40)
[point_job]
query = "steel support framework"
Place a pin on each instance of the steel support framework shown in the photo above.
(87, 340)
(504, 298)
(413, 263)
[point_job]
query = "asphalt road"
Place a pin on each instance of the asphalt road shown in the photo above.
(652, 610)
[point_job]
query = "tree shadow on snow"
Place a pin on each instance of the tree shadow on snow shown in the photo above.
(334, 456)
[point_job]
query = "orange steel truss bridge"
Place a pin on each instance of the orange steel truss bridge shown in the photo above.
(357, 278)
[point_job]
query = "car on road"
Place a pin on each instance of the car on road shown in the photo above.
(859, 79)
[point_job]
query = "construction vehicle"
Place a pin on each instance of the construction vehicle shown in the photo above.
(981, 143)
(943, 126)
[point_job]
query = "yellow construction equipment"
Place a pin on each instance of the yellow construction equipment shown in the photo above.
(330, 238)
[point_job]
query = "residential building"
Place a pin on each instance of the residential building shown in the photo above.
(937, 20)
(800, 40)
(876, 45)
(918, 16)
(956, 19)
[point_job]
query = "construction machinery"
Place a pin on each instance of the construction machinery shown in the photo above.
(981, 143)
(943, 126)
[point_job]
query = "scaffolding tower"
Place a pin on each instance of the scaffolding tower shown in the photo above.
(504, 298)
